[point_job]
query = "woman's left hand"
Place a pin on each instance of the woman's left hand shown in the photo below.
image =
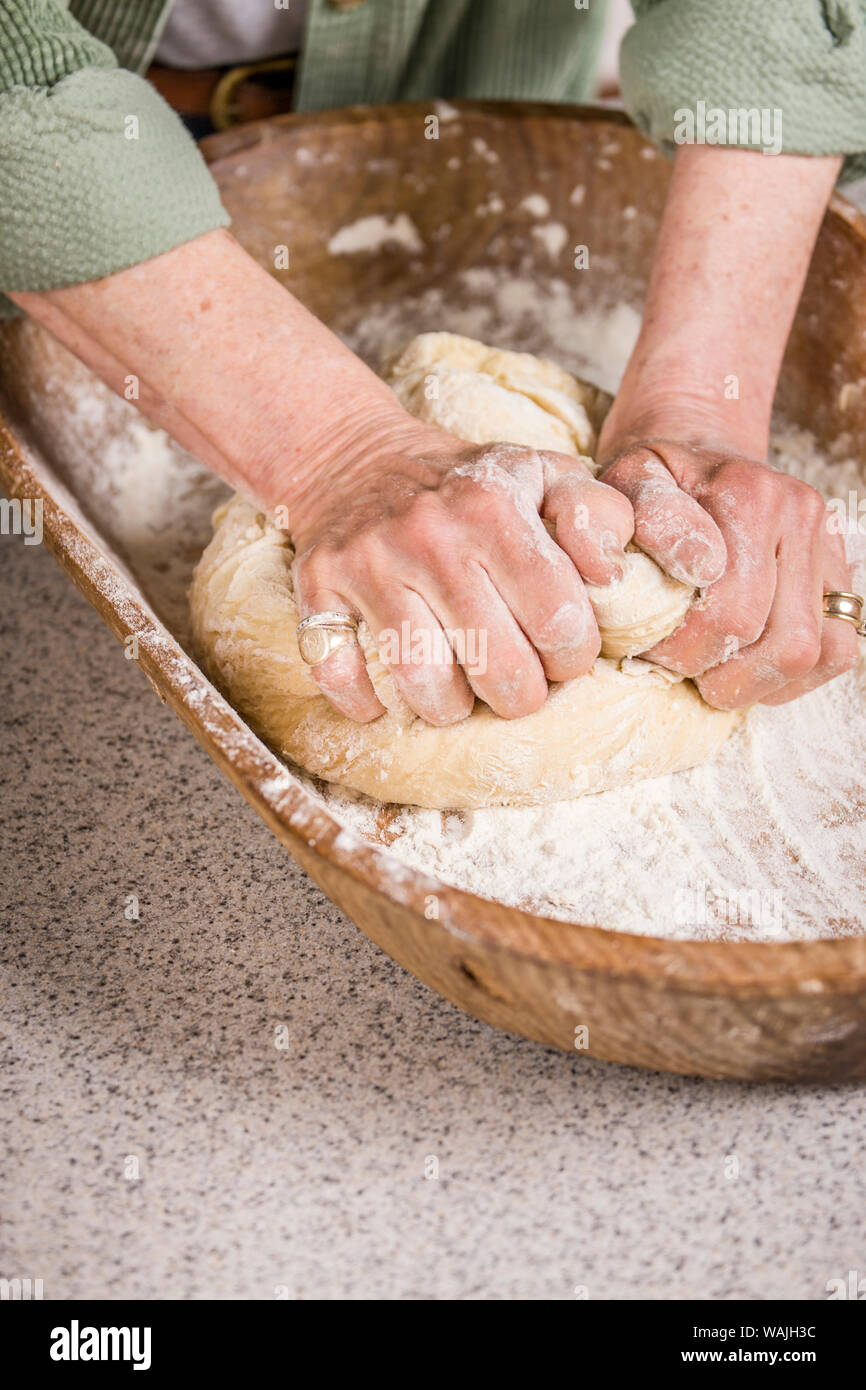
(757, 543)
(690, 425)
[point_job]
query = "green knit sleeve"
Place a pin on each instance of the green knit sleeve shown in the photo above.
(97, 172)
(788, 76)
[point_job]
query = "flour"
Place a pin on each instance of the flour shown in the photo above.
(536, 205)
(510, 311)
(373, 233)
(552, 236)
(767, 843)
(138, 490)
(764, 844)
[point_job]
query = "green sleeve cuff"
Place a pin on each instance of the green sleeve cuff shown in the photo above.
(97, 173)
(41, 42)
(803, 64)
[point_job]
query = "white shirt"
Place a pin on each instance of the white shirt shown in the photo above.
(216, 33)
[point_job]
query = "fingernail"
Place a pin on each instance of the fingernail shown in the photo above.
(699, 566)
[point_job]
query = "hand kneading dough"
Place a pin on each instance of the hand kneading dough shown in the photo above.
(624, 720)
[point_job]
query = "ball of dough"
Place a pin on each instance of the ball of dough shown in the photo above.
(624, 720)
(488, 395)
(640, 609)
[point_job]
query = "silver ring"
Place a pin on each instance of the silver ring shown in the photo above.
(848, 607)
(322, 634)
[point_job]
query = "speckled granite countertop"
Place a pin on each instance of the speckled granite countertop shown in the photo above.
(148, 1046)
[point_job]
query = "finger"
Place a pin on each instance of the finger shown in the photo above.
(790, 644)
(733, 612)
(839, 641)
(528, 571)
(550, 605)
(498, 659)
(680, 535)
(343, 678)
(541, 587)
(418, 652)
(593, 522)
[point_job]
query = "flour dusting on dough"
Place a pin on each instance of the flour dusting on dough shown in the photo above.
(602, 730)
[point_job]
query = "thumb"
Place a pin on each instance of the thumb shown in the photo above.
(668, 524)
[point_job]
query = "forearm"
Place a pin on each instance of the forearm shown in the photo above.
(732, 255)
(233, 367)
(687, 435)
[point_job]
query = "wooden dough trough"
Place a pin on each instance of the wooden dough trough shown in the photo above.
(756, 1012)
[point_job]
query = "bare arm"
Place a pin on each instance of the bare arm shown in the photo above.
(391, 519)
(687, 435)
(235, 369)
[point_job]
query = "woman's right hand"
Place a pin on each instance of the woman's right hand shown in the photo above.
(424, 534)
(392, 520)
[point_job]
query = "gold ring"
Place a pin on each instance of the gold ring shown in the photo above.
(848, 607)
(322, 634)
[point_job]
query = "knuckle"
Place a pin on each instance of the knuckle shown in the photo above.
(312, 570)
(657, 494)
(634, 468)
(747, 489)
(559, 468)
(806, 502)
(367, 562)
(747, 631)
(840, 654)
(422, 526)
(569, 485)
(800, 654)
(482, 493)
(489, 502)
(742, 623)
(610, 505)
(503, 456)
(330, 565)
(715, 692)
(745, 475)
(663, 514)
(680, 542)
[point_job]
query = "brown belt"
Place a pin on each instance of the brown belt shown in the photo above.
(229, 96)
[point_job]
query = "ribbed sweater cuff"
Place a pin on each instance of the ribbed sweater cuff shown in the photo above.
(41, 43)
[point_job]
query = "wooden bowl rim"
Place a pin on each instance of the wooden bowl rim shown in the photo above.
(836, 965)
